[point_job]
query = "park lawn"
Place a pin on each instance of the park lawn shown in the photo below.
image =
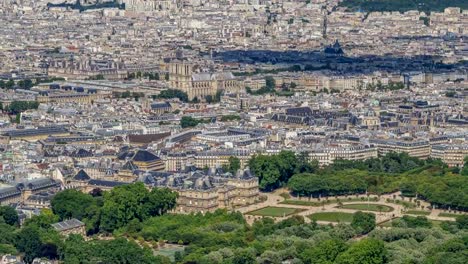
(275, 211)
(299, 202)
(368, 207)
(404, 203)
(449, 215)
(332, 217)
(417, 212)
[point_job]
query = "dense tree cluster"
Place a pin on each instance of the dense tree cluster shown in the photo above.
(402, 5)
(223, 237)
(275, 170)
(17, 107)
(188, 121)
(124, 207)
(391, 86)
(227, 118)
(8, 215)
(174, 93)
(115, 208)
(329, 184)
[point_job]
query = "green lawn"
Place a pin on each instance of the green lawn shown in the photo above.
(449, 215)
(417, 212)
(298, 202)
(332, 217)
(275, 211)
(404, 203)
(368, 207)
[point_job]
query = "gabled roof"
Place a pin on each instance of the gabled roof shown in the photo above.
(129, 165)
(144, 156)
(81, 176)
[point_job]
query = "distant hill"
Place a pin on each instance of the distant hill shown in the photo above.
(402, 5)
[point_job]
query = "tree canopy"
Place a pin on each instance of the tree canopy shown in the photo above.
(9, 215)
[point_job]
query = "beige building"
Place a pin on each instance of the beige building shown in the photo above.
(418, 149)
(207, 195)
(452, 155)
(327, 155)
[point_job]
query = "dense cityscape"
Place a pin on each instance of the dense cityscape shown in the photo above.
(234, 131)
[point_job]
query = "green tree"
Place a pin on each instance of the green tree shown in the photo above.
(123, 204)
(363, 223)
(464, 171)
(9, 215)
(71, 204)
(234, 164)
(7, 249)
(188, 121)
(366, 251)
(270, 82)
(160, 201)
(325, 252)
(462, 221)
(29, 242)
(43, 220)
(244, 256)
(174, 93)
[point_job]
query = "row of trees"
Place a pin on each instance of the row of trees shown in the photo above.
(174, 93)
(402, 5)
(429, 179)
(26, 83)
(22, 84)
(17, 107)
(188, 121)
(128, 94)
(391, 86)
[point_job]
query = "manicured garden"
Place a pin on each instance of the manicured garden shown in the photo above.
(332, 217)
(368, 207)
(275, 211)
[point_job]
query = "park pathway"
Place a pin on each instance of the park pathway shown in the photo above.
(274, 199)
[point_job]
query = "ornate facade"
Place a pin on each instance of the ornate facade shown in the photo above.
(188, 78)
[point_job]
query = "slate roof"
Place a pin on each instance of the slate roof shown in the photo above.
(147, 138)
(106, 183)
(9, 192)
(81, 176)
(67, 224)
(129, 165)
(145, 156)
(160, 105)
